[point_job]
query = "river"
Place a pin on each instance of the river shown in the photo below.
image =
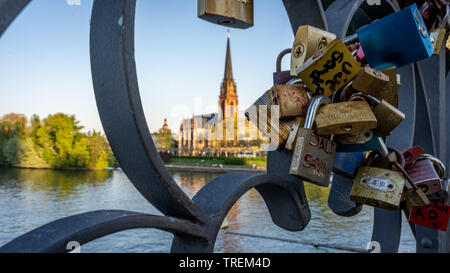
(31, 198)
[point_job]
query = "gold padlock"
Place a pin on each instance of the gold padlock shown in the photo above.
(292, 99)
(390, 91)
(388, 116)
(308, 40)
(356, 138)
(329, 69)
(378, 187)
(265, 116)
(370, 80)
(230, 13)
(346, 117)
(299, 122)
(437, 37)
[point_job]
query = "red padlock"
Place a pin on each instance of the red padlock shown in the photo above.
(435, 215)
(412, 154)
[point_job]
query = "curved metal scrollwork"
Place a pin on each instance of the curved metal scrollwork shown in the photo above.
(195, 223)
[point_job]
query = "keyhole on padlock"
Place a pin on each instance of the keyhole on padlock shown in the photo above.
(226, 22)
(424, 188)
(348, 128)
(298, 51)
(322, 43)
(364, 181)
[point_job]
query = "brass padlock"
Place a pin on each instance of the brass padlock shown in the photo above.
(378, 187)
(313, 155)
(266, 117)
(329, 69)
(230, 13)
(357, 138)
(308, 40)
(292, 99)
(392, 159)
(370, 81)
(390, 91)
(346, 117)
(437, 38)
(299, 122)
(388, 116)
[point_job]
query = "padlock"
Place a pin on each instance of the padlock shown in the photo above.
(378, 187)
(346, 164)
(390, 158)
(282, 77)
(411, 154)
(380, 84)
(435, 215)
(313, 155)
(424, 174)
(299, 122)
(398, 39)
(292, 99)
(329, 69)
(230, 13)
(388, 116)
(389, 92)
(346, 117)
(308, 40)
(268, 122)
(365, 141)
(437, 38)
(369, 80)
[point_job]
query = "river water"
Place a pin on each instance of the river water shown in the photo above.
(31, 198)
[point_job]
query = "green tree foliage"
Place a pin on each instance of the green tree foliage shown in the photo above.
(20, 152)
(56, 141)
(164, 139)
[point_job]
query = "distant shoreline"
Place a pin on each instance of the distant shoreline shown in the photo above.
(58, 169)
(171, 167)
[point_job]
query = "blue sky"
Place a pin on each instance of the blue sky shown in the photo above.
(45, 68)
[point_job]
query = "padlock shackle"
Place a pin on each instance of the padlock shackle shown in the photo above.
(382, 148)
(280, 57)
(312, 110)
(344, 91)
(437, 163)
(350, 39)
(365, 96)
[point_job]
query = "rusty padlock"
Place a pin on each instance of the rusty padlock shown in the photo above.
(313, 155)
(377, 184)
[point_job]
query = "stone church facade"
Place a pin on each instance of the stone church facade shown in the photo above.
(223, 133)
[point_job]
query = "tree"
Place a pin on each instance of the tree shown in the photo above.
(20, 152)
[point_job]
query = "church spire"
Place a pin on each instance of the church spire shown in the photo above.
(228, 68)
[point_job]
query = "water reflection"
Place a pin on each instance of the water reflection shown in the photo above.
(31, 198)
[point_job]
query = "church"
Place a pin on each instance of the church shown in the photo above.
(224, 133)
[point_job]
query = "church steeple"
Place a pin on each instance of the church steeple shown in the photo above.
(228, 99)
(228, 67)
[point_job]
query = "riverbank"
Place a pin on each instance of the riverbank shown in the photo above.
(214, 168)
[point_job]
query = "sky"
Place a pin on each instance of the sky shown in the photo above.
(45, 66)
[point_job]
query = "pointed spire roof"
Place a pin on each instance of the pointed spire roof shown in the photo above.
(228, 68)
